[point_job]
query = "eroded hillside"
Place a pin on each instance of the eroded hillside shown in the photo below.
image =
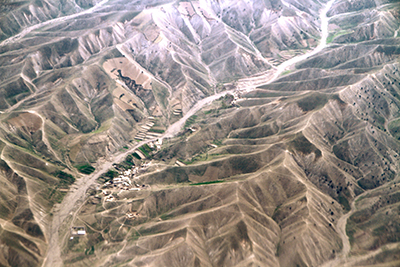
(253, 133)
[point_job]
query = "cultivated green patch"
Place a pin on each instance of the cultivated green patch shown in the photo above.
(190, 121)
(85, 168)
(332, 36)
(156, 130)
(136, 155)
(65, 178)
(209, 182)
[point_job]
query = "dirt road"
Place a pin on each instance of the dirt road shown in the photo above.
(341, 258)
(49, 22)
(72, 200)
(268, 78)
(341, 228)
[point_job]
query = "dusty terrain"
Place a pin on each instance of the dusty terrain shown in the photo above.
(199, 133)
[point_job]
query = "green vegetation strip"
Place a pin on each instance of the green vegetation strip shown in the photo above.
(144, 152)
(85, 168)
(156, 130)
(111, 173)
(217, 142)
(209, 182)
(66, 178)
(337, 34)
(190, 121)
(128, 162)
(136, 155)
(147, 148)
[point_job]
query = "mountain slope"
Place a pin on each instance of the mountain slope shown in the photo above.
(278, 122)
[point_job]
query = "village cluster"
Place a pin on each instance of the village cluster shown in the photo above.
(124, 181)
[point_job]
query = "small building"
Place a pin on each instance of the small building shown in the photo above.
(81, 232)
(180, 164)
(78, 231)
(109, 198)
(134, 189)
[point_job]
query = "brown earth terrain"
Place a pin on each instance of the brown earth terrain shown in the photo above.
(199, 133)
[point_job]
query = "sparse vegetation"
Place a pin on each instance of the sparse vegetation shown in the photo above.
(209, 111)
(146, 150)
(111, 174)
(312, 101)
(350, 231)
(344, 202)
(190, 121)
(128, 162)
(300, 143)
(156, 130)
(55, 195)
(243, 185)
(217, 142)
(66, 178)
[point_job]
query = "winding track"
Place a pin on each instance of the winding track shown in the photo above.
(341, 229)
(44, 137)
(51, 21)
(74, 198)
(324, 35)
